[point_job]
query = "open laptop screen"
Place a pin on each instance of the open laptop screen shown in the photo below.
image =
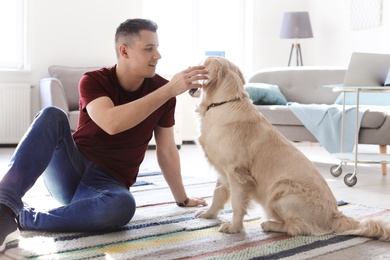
(367, 69)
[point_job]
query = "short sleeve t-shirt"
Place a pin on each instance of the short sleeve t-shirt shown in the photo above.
(120, 154)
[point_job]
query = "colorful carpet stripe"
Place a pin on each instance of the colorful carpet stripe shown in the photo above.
(161, 230)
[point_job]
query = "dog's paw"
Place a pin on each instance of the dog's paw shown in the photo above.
(205, 214)
(266, 226)
(230, 228)
(273, 226)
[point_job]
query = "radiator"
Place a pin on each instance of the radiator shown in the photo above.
(15, 112)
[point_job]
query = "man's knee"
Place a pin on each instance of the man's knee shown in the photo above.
(125, 207)
(52, 112)
(118, 210)
(51, 117)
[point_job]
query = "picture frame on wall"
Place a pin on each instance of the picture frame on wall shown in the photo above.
(365, 14)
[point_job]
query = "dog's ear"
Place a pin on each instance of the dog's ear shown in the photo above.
(235, 73)
(239, 73)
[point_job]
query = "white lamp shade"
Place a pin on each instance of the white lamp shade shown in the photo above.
(296, 25)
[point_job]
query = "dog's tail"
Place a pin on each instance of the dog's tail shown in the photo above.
(374, 228)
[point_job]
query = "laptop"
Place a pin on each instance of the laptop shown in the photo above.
(368, 69)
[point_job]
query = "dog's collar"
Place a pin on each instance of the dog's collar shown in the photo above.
(221, 103)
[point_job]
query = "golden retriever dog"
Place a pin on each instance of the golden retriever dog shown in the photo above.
(255, 163)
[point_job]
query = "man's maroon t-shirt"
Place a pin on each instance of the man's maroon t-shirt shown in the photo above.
(120, 154)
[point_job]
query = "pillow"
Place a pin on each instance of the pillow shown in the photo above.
(265, 94)
(69, 78)
(365, 98)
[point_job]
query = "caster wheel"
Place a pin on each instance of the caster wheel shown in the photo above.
(348, 181)
(336, 170)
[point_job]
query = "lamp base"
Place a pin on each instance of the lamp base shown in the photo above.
(297, 48)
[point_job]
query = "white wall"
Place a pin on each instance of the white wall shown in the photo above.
(70, 33)
(333, 40)
(81, 33)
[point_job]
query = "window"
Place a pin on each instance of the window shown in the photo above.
(12, 34)
(175, 33)
(194, 28)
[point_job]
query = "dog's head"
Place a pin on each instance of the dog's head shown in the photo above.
(225, 79)
(225, 82)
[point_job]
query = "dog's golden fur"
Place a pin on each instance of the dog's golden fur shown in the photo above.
(256, 163)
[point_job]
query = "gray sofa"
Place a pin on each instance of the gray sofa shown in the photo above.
(60, 89)
(305, 85)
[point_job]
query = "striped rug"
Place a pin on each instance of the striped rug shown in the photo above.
(161, 230)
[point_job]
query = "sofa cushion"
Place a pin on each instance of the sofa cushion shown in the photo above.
(73, 119)
(265, 94)
(282, 115)
(377, 115)
(365, 98)
(304, 85)
(374, 117)
(69, 78)
(279, 115)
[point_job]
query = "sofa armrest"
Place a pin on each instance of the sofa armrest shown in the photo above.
(52, 94)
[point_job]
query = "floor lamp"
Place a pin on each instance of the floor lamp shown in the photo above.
(296, 25)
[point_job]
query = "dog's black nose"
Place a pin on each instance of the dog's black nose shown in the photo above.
(192, 91)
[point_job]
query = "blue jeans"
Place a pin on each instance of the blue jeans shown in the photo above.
(93, 199)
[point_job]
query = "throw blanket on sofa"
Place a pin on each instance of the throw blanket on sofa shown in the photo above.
(324, 122)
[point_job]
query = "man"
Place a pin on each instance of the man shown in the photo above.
(91, 171)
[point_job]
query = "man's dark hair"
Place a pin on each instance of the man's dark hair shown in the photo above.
(128, 31)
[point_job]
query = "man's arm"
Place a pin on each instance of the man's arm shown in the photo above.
(115, 119)
(169, 162)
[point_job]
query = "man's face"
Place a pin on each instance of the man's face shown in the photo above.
(143, 54)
